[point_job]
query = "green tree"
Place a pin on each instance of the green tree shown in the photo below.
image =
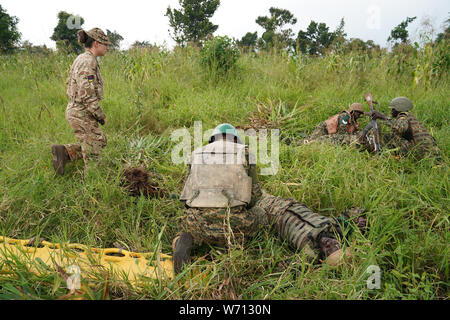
(142, 45)
(9, 35)
(356, 44)
(115, 39)
(191, 21)
(275, 34)
(65, 32)
(317, 38)
(339, 32)
(32, 49)
(249, 40)
(399, 33)
(446, 34)
(339, 36)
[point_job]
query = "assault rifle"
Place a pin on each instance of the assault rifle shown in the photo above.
(373, 124)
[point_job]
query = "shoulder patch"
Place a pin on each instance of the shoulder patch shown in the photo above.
(345, 120)
(91, 78)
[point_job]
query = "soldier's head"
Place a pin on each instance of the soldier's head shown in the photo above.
(356, 110)
(400, 104)
(95, 40)
(225, 131)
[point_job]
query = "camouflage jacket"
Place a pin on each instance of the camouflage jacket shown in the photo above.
(342, 122)
(85, 84)
(409, 128)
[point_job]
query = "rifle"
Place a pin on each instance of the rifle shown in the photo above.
(373, 123)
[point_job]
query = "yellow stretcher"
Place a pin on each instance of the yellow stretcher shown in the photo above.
(117, 263)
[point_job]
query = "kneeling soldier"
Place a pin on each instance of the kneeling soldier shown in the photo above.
(407, 133)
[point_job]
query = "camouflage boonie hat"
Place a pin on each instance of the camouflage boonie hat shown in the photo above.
(98, 35)
(401, 104)
(356, 107)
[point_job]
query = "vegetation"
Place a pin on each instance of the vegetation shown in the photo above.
(149, 92)
(9, 34)
(115, 39)
(275, 32)
(400, 33)
(65, 32)
(316, 39)
(219, 55)
(191, 23)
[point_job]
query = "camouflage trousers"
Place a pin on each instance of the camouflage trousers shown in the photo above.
(223, 226)
(91, 139)
(402, 147)
(405, 147)
(344, 139)
(293, 221)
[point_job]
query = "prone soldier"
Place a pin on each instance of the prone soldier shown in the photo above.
(224, 202)
(340, 128)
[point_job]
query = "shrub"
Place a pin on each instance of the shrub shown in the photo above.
(219, 55)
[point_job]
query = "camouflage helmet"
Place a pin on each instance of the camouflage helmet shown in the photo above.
(98, 35)
(224, 128)
(401, 104)
(356, 107)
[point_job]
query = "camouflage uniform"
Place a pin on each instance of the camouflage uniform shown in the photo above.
(216, 225)
(85, 90)
(293, 221)
(297, 224)
(339, 129)
(409, 135)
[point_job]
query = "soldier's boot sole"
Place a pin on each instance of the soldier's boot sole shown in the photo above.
(60, 158)
(181, 247)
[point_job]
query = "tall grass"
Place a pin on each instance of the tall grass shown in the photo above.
(149, 93)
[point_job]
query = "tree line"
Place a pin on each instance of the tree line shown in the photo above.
(190, 23)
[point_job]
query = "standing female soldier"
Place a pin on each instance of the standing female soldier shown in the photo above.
(83, 113)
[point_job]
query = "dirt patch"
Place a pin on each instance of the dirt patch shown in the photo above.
(139, 181)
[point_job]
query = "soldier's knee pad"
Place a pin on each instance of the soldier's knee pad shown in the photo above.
(300, 226)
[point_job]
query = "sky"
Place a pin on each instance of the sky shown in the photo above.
(146, 20)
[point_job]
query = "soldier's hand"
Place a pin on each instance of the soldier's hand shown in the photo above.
(362, 138)
(378, 115)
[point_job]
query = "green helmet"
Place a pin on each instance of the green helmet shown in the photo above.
(401, 104)
(224, 128)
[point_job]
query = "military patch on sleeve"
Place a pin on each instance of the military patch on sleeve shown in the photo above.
(91, 78)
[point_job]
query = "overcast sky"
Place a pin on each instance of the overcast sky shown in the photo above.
(145, 20)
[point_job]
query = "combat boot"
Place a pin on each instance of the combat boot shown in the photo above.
(181, 247)
(60, 158)
(331, 250)
(357, 215)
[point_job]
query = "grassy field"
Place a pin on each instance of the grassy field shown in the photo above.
(148, 94)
